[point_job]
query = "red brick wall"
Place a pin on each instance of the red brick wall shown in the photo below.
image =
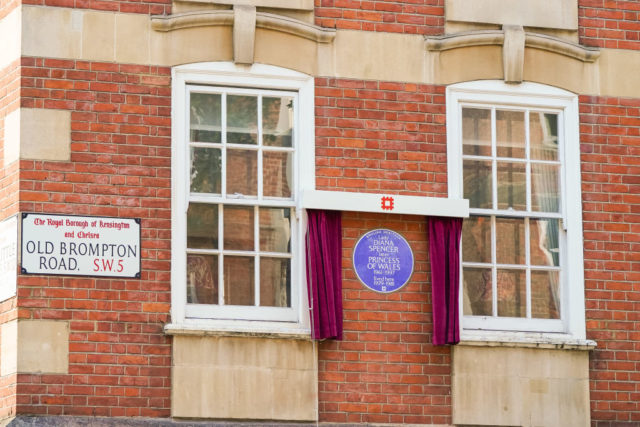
(411, 17)
(357, 151)
(371, 136)
(610, 146)
(385, 370)
(151, 7)
(380, 137)
(383, 137)
(119, 362)
(610, 24)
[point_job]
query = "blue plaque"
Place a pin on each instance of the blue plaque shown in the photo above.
(383, 260)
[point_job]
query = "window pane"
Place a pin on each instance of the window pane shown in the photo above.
(239, 280)
(275, 282)
(202, 279)
(476, 239)
(477, 291)
(510, 241)
(545, 188)
(205, 117)
(512, 293)
(277, 120)
(510, 135)
(242, 172)
(202, 226)
(477, 183)
(512, 186)
(238, 228)
(277, 170)
(476, 131)
(543, 134)
(242, 119)
(545, 298)
(205, 170)
(545, 242)
(275, 230)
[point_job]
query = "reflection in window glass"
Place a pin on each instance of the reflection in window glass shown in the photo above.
(238, 228)
(545, 242)
(275, 282)
(238, 280)
(543, 128)
(202, 279)
(510, 241)
(277, 170)
(242, 172)
(242, 119)
(545, 297)
(476, 232)
(205, 117)
(477, 183)
(275, 230)
(277, 121)
(476, 131)
(510, 135)
(545, 188)
(206, 170)
(478, 290)
(512, 293)
(512, 186)
(202, 226)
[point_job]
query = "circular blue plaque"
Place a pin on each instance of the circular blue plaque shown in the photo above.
(383, 260)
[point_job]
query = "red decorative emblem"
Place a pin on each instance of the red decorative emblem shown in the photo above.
(387, 203)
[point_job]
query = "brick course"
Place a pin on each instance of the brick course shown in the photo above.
(376, 136)
(383, 137)
(385, 370)
(610, 138)
(150, 7)
(371, 136)
(119, 357)
(350, 153)
(411, 17)
(609, 24)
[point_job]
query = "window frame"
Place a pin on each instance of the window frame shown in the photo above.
(233, 78)
(527, 95)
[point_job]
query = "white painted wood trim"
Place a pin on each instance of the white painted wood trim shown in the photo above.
(263, 78)
(372, 202)
(491, 93)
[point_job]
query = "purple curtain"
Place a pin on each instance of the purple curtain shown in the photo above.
(444, 253)
(324, 273)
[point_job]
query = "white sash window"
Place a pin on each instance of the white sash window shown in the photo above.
(513, 152)
(238, 154)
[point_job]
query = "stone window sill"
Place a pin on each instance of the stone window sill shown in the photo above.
(525, 340)
(200, 330)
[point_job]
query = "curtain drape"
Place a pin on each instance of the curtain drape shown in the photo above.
(324, 273)
(444, 254)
